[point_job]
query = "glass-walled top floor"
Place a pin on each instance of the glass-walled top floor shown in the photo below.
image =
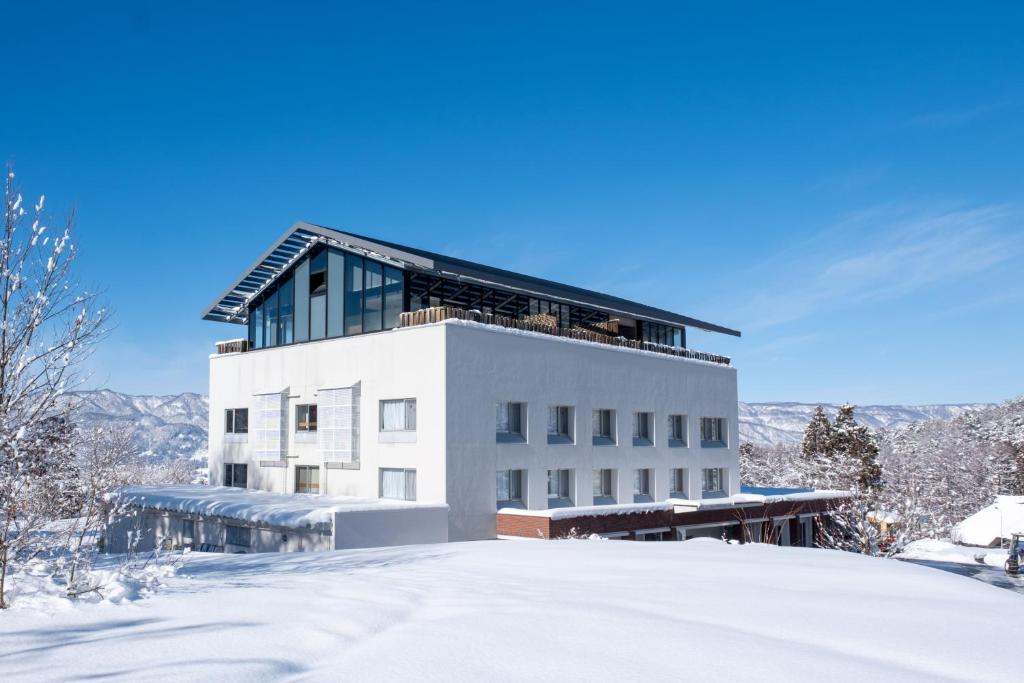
(333, 293)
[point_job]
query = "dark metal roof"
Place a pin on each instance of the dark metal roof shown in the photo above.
(230, 305)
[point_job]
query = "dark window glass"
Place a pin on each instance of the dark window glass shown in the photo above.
(373, 301)
(302, 301)
(335, 294)
(238, 535)
(393, 282)
(317, 317)
(307, 479)
(286, 311)
(256, 320)
(270, 320)
(236, 475)
(305, 418)
(318, 273)
(236, 420)
(353, 294)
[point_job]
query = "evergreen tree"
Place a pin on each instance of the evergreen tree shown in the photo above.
(854, 444)
(817, 436)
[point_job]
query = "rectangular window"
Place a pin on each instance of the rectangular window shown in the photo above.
(677, 430)
(558, 484)
(559, 424)
(335, 293)
(398, 484)
(603, 484)
(679, 481)
(712, 431)
(286, 313)
(236, 475)
(188, 530)
(509, 485)
(509, 422)
(238, 535)
(305, 417)
(307, 479)
(302, 301)
(353, 294)
(236, 421)
(393, 295)
(270, 319)
(373, 302)
(641, 484)
(256, 327)
(604, 426)
(713, 480)
(643, 434)
(398, 415)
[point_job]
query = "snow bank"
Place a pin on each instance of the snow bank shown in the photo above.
(992, 523)
(560, 610)
(275, 509)
(934, 550)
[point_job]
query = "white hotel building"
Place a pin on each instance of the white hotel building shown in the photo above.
(378, 371)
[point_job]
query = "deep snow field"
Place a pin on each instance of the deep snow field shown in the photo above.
(532, 610)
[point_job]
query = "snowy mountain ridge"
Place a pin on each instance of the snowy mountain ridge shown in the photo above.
(784, 423)
(172, 426)
(176, 425)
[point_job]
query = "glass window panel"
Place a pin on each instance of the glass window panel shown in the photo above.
(270, 320)
(286, 311)
(318, 273)
(302, 301)
(257, 322)
(317, 317)
(335, 293)
(373, 302)
(393, 284)
(353, 294)
(515, 485)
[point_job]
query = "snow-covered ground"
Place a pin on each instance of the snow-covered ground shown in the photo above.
(982, 564)
(531, 610)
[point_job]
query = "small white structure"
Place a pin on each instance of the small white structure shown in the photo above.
(993, 525)
(223, 519)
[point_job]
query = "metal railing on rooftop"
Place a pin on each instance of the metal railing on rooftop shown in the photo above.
(539, 324)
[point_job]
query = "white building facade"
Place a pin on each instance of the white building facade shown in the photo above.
(521, 393)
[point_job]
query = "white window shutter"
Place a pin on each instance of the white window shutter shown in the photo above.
(270, 427)
(338, 424)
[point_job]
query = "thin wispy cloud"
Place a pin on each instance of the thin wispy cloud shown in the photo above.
(952, 118)
(864, 260)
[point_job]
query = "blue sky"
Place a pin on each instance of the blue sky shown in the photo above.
(844, 187)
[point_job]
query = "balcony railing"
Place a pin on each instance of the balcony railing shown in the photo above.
(543, 325)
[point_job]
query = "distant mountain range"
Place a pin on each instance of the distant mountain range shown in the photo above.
(782, 423)
(175, 426)
(164, 426)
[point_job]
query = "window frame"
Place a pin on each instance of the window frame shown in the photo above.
(311, 488)
(230, 474)
(603, 427)
(721, 476)
(680, 438)
(238, 529)
(231, 420)
(513, 489)
(643, 428)
(310, 418)
(713, 432)
(409, 482)
(678, 481)
(408, 416)
(515, 430)
(563, 484)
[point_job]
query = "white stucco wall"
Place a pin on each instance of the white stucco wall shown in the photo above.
(457, 373)
(486, 365)
(406, 363)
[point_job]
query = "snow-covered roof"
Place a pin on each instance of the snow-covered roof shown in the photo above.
(297, 510)
(739, 500)
(992, 523)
